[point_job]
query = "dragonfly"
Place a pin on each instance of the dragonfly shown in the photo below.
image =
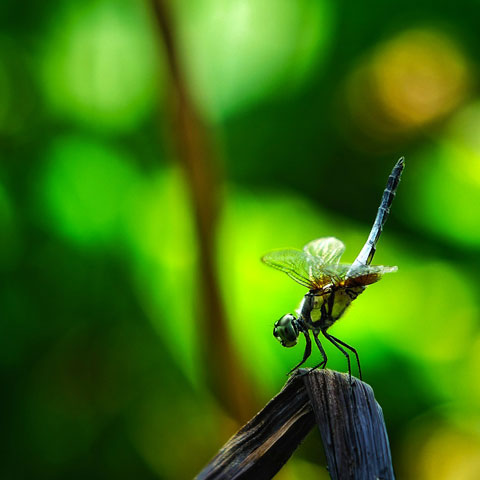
(332, 285)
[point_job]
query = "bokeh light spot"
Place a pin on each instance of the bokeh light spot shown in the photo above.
(415, 78)
(239, 52)
(443, 451)
(420, 75)
(85, 187)
(100, 64)
(445, 190)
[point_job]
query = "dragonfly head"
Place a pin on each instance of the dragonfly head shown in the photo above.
(286, 331)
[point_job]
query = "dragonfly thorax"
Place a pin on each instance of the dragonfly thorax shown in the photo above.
(321, 309)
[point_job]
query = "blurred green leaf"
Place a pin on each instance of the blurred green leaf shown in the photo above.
(86, 185)
(445, 187)
(240, 52)
(100, 64)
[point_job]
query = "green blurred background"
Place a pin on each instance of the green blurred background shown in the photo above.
(152, 152)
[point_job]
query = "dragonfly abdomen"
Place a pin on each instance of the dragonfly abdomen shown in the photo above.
(368, 251)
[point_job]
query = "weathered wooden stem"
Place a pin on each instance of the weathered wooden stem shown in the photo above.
(351, 425)
(349, 419)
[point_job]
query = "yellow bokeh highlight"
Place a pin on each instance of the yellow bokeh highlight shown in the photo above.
(443, 451)
(409, 81)
(420, 76)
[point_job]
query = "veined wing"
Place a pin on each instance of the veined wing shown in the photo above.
(360, 275)
(300, 266)
(327, 250)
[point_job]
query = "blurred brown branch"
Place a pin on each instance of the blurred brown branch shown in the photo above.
(201, 167)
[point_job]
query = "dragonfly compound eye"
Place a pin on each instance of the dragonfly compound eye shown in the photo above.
(285, 330)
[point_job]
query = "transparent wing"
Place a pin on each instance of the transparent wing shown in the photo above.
(293, 262)
(300, 266)
(360, 275)
(327, 250)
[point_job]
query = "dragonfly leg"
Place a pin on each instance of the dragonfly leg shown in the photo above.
(333, 340)
(323, 363)
(306, 353)
(352, 350)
